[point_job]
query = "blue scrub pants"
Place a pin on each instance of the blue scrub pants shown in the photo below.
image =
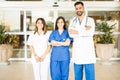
(59, 70)
(89, 71)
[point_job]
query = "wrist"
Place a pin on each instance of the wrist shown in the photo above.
(35, 54)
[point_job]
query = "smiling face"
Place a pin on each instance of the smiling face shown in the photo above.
(79, 9)
(39, 25)
(60, 24)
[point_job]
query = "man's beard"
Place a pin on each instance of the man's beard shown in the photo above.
(79, 13)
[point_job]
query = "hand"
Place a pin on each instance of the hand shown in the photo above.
(71, 31)
(88, 27)
(37, 58)
(67, 42)
(55, 43)
(42, 57)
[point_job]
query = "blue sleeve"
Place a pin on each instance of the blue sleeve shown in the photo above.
(51, 37)
(71, 39)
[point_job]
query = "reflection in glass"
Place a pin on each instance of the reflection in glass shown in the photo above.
(18, 51)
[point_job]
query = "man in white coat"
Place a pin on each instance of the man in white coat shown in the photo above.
(81, 29)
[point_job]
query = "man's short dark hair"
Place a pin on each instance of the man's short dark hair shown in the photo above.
(79, 2)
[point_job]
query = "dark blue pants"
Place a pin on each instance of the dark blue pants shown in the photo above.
(59, 70)
(89, 71)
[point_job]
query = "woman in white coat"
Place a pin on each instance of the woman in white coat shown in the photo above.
(81, 29)
(38, 44)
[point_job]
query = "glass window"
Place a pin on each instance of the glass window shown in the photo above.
(31, 17)
(112, 17)
(68, 15)
(18, 51)
(12, 19)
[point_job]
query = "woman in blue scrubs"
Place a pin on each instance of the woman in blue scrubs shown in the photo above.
(60, 55)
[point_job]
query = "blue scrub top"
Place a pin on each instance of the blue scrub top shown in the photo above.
(60, 53)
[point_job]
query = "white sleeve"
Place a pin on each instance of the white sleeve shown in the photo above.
(72, 26)
(48, 35)
(84, 32)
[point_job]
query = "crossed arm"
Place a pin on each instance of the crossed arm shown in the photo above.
(71, 31)
(56, 43)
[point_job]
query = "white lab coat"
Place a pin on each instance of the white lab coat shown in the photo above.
(83, 51)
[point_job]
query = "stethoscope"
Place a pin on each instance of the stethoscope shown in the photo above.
(75, 21)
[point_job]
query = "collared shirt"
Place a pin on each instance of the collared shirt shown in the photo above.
(83, 51)
(59, 53)
(39, 43)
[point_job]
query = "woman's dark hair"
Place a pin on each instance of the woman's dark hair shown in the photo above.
(44, 25)
(60, 17)
(79, 2)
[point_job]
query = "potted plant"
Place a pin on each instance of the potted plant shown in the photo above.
(6, 42)
(105, 42)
